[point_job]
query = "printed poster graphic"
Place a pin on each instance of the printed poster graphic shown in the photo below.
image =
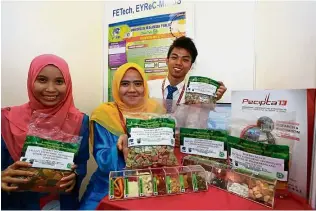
(144, 41)
(275, 103)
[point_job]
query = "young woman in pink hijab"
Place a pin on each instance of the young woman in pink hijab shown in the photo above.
(49, 89)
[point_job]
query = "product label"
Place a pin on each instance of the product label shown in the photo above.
(149, 137)
(258, 164)
(168, 182)
(140, 187)
(202, 85)
(42, 153)
(209, 148)
(209, 143)
(155, 186)
(152, 132)
(195, 184)
(181, 180)
(126, 188)
(111, 189)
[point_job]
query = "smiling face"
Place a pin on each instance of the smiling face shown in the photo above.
(179, 63)
(132, 88)
(49, 87)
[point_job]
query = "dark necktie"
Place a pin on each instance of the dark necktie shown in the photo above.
(171, 90)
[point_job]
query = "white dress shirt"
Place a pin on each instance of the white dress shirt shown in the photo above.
(155, 90)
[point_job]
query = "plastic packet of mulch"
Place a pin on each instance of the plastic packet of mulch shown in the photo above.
(201, 90)
(51, 153)
(151, 140)
(204, 143)
(263, 136)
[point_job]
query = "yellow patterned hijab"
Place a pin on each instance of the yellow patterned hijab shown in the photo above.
(107, 114)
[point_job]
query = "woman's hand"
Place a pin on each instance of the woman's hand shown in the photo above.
(122, 145)
(69, 181)
(220, 91)
(11, 176)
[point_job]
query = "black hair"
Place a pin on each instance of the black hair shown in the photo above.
(186, 43)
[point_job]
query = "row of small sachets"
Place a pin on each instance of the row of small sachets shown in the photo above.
(142, 183)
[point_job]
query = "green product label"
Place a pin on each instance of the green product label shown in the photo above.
(111, 189)
(126, 187)
(140, 187)
(202, 85)
(268, 150)
(181, 180)
(50, 144)
(168, 182)
(203, 80)
(152, 132)
(195, 184)
(150, 123)
(155, 186)
(204, 142)
(267, 161)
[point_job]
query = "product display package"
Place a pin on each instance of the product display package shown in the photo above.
(209, 144)
(210, 167)
(201, 90)
(163, 181)
(269, 161)
(151, 141)
(200, 99)
(51, 153)
(253, 187)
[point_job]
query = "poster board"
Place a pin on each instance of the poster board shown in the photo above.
(143, 36)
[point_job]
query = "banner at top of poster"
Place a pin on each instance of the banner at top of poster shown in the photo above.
(150, 20)
(133, 8)
(133, 30)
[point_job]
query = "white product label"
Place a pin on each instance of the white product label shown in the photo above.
(204, 147)
(202, 88)
(268, 166)
(41, 157)
(151, 136)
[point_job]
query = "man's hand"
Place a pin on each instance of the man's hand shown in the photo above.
(220, 91)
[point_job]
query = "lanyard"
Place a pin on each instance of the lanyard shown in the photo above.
(122, 119)
(163, 92)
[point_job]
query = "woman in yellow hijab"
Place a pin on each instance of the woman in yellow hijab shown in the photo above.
(131, 94)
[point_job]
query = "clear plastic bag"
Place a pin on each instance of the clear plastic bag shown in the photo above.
(50, 151)
(151, 140)
(193, 115)
(204, 143)
(201, 90)
(271, 134)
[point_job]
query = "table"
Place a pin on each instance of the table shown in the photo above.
(213, 199)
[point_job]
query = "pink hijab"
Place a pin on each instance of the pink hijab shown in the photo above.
(15, 120)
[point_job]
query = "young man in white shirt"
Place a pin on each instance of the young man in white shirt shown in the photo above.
(181, 55)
